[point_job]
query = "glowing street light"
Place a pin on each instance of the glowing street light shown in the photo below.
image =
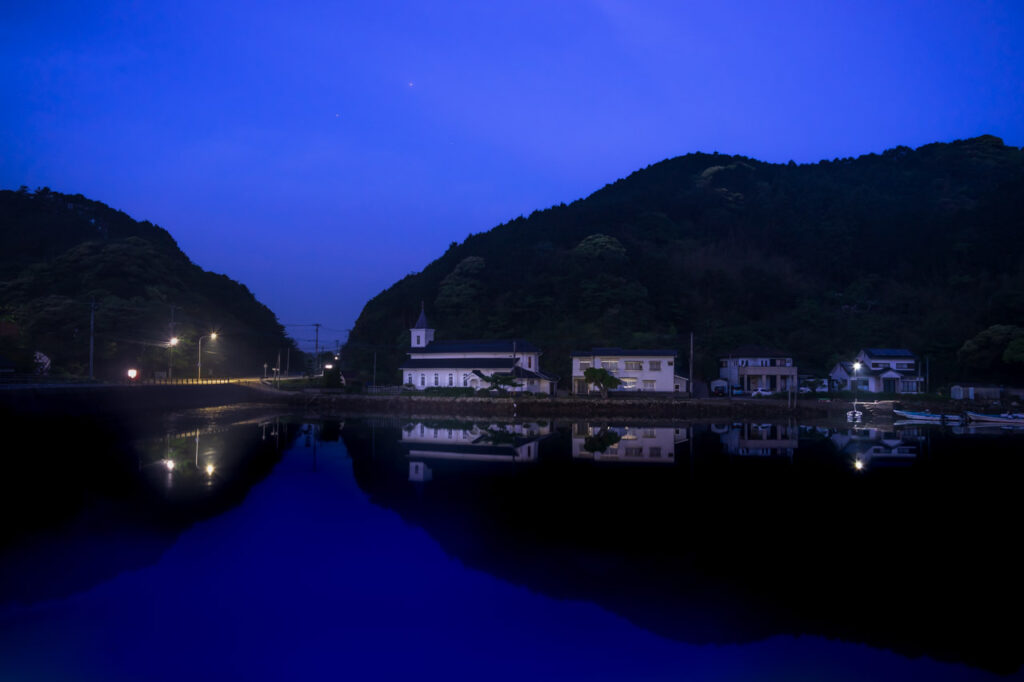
(132, 373)
(171, 343)
(213, 337)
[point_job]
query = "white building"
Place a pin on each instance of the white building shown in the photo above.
(752, 367)
(460, 364)
(638, 370)
(882, 370)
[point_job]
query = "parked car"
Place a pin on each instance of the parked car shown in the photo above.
(758, 392)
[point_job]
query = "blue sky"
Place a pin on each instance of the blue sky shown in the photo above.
(317, 152)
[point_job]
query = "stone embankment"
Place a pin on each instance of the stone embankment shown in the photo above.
(650, 408)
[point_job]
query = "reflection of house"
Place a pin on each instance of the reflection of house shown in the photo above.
(762, 440)
(627, 443)
(752, 367)
(882, 370)
(460, 363)
(639, 370)
(867, 446)
(468, 441)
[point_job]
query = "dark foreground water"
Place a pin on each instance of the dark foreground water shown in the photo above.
(237, 546)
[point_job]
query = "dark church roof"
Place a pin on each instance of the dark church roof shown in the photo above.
(479, 346)
(421, 321)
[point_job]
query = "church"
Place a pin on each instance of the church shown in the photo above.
(463, 364)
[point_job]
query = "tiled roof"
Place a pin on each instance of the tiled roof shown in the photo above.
(624, 352)
(480, 346)
(888, 353)
(457, 363)
(522, 373)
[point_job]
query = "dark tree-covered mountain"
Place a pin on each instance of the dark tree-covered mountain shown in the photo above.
(63, 252)
(917, 248)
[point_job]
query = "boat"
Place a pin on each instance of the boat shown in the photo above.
(929, 416)
(854, 415)
(1004, 418)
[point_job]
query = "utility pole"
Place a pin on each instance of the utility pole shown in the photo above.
(92, 329)
(691, 366)
(316, 357)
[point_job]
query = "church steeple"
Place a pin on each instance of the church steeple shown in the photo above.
(421, 333)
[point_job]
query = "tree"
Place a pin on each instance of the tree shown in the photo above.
(601, 441)
(497, 380)
(602, 378)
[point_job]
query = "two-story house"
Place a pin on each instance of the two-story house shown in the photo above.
(461, 363)
(756, 367)
(638, 370)
(881, 370)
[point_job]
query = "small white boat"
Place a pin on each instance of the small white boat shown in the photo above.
(1005, 418)
(854, 416)
(929, 416)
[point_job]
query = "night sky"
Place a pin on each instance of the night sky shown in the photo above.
(318, 152)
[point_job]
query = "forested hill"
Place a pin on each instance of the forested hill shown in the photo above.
(62, 252)
(917, 248)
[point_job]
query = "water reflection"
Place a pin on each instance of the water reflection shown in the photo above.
(124, 504)
(759, 440)
(707, 544)
(616, 443)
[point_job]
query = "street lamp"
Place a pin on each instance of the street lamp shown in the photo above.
(856, 368)
(170, 355)
(213, 337)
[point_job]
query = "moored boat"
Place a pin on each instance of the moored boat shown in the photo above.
(929, 416)
(1005, 418)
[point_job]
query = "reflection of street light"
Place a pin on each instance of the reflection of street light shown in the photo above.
(858, 465)
(213, 337)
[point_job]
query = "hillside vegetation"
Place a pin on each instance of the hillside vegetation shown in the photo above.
(917, 248)
(62, 252)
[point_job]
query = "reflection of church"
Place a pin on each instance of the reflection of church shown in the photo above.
(760, 440)
(469, 442)
(627, 443)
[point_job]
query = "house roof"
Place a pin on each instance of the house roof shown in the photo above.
(625, 352)
(755, 351)
(457, 363)
(888, 353)
(866, 371)
(523, 373)
(479, 346)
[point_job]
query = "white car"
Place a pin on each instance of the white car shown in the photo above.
(760, 392)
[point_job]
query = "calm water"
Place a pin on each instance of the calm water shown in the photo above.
(247, 546)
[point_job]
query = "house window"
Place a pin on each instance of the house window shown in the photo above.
(636, 365)
(634, 452)
(649, 384)
(423, 379)
(465, 380)
(655, 453)
(610, 365)
(655, 365)
(629, 383)
(585, 364)
(408, 380)
(529, 362)
(435, 379)
(417, 339)
(451, 379)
